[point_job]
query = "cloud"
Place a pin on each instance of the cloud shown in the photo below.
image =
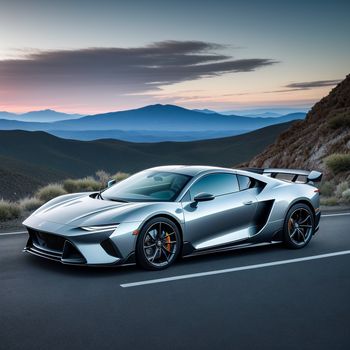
(312, 84)
(124, 70)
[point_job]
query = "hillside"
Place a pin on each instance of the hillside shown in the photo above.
(144, 135)
(307, 144)
(19, 178)
(35, 158)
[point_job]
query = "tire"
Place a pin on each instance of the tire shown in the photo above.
(299, 226)
(158, 244)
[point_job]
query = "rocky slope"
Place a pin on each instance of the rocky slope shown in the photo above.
(307, 144)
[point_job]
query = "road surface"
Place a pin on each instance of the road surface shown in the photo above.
(256, 298)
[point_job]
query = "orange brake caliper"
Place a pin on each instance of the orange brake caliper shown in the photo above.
(290, 223)
(167, 239)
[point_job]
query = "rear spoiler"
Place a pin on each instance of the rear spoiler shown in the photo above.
(311, 176)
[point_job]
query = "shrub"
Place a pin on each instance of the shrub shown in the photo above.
(70, 185)
(346, 195)
(339, 121)
(103, 177)
(30, 203)
(81, 185)
(327, 189)
(338, 162)
(9, 210)
(341, 187)
(330, 201)
(50, 191)
(119, 176)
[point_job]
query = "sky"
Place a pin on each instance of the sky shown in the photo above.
(98, 56)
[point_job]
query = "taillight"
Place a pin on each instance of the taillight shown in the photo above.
(317, 190)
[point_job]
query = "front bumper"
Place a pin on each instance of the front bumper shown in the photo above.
(71, 245)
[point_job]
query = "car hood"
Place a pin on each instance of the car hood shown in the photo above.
(85, 210)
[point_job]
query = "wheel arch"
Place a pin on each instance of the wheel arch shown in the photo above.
(303, 201)
(169, 217)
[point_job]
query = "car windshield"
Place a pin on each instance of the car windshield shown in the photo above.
(148, 186)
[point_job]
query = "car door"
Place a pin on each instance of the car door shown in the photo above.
(225, 219)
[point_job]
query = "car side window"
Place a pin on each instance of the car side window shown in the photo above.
(216, 184)
(245, 182)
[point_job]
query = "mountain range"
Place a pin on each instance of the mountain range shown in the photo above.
(153, 123)
(47, 115)
(266, 112)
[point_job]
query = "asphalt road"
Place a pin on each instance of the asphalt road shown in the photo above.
(296, 305)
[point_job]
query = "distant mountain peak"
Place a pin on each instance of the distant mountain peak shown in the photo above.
(163, 106)
(48, 110)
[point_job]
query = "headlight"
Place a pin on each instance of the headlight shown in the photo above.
(100, 228)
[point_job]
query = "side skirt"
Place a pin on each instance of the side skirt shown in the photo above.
(229, 248)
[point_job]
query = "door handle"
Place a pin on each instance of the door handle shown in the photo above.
(248, 202)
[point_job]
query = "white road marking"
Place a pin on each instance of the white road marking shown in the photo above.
(337, 214)
(12, 233)
(234, 269)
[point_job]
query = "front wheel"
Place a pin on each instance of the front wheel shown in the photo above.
(158, 244)
(299, 226)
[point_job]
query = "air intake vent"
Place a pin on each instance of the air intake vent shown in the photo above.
(72, 255)
(110, 248)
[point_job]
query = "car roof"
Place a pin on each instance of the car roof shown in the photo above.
(191, 170)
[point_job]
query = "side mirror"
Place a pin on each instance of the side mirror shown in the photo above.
(203, 197)
(110, 183)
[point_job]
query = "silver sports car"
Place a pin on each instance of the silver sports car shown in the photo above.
(159, 214)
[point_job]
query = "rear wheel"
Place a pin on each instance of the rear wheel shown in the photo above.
(158, 244)
(299, 226)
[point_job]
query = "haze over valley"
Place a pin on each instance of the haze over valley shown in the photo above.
(151, 123)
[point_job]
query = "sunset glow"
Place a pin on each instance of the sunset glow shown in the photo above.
(222, 56)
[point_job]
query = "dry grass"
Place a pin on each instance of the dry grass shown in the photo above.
(327, 189)
(103, 177)
(49, 192)
(346, 196)
(82, 185)
(30, 203)
(329, 201)
(340, 188)
(9, 210)
(119, 176)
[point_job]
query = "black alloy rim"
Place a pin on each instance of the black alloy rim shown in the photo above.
(160, 244)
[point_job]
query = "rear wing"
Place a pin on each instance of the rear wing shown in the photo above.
(295, 175)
